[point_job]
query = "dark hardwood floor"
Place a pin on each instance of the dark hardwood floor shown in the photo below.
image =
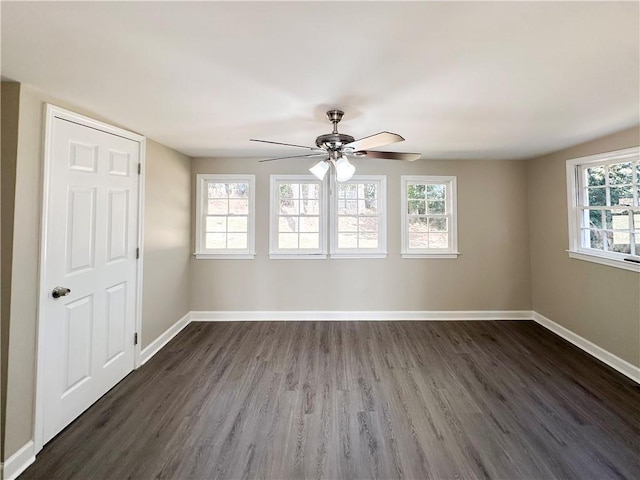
(350, 400)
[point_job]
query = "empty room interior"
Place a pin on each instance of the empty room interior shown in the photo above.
(335, 240)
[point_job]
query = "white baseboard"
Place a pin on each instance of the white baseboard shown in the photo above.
(326, 315)
(600, 353)
(19, 461)
(155, 346)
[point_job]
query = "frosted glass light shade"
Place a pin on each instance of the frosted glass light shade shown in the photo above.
(320, 169)
(344, 170)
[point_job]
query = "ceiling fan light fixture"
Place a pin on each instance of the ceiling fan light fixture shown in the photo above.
(344, 170)
(320, 169)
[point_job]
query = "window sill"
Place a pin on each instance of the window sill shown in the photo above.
(224, 256)
(610, 262)
(431, 255)
(293, 256)
(358, 255)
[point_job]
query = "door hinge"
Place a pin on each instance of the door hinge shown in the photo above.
(138, 252)
(139, 168)
(135, 338)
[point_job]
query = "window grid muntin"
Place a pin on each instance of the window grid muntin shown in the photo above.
(633, 210)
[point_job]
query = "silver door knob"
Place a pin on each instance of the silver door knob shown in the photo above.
(60, 292)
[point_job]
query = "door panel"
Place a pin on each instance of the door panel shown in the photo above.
(90, 248)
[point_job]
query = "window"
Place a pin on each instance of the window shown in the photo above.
(298, 220)
(429, 218)
(604, 210)
(358, 217)
(225, 216)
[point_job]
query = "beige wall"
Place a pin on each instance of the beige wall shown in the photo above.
(167, 241)
(600, 303)
(10, 98)
(24, 292)
(491, 274)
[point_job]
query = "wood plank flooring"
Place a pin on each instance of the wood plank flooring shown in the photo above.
(351, 400)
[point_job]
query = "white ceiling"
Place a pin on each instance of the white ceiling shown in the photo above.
(478, 80)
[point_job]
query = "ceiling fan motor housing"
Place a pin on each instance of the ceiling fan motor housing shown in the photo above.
(333, 141)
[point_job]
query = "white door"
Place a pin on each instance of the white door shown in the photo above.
(91, 207)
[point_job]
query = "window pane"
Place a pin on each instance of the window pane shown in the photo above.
(348, 190)
(622, 196)
(595, 218)
(418, 225)
(436, 206)
(636, 222)
(621, 242)
(437, 224)
(417, 207)
(370, 191)
(368, 207)
(368, 224)
(287, 240)
(438, 240)
(347, 224)
(238, 190)
(418, 240)
(236, 240)
(638, 172)
(218, 207)
(289, 190)
(595, 176)
(368, 240)
(597, 239)
(620, 173)
(309, 240)
(309, 207)
(217, 190)
(289, 207)
(215, 240)
(310, 191)
(237, 224)
(416, 191)
(239, 206)
(288, 224)
(309, 224)
(436, 192)
(216, 224)
(347, 240)
(620, 221)
(597, 197)
(349, 207)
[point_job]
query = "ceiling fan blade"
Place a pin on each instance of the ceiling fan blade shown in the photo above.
(373, 141)
(319, 154)
(280, 143)
(407, 157)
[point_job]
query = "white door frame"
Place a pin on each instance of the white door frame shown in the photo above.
(51, 113)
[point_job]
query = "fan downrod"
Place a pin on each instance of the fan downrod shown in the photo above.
(334, 141)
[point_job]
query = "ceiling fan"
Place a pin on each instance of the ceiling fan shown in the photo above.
(336, 146)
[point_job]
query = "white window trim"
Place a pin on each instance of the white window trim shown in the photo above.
(575, 250)
(202, 253)
(274, 252)
(381, 251)
(452, 206)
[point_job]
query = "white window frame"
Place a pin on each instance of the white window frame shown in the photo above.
(575, 171)
(203, 253)
(277, 253)
(452, 215)
(381, 251)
